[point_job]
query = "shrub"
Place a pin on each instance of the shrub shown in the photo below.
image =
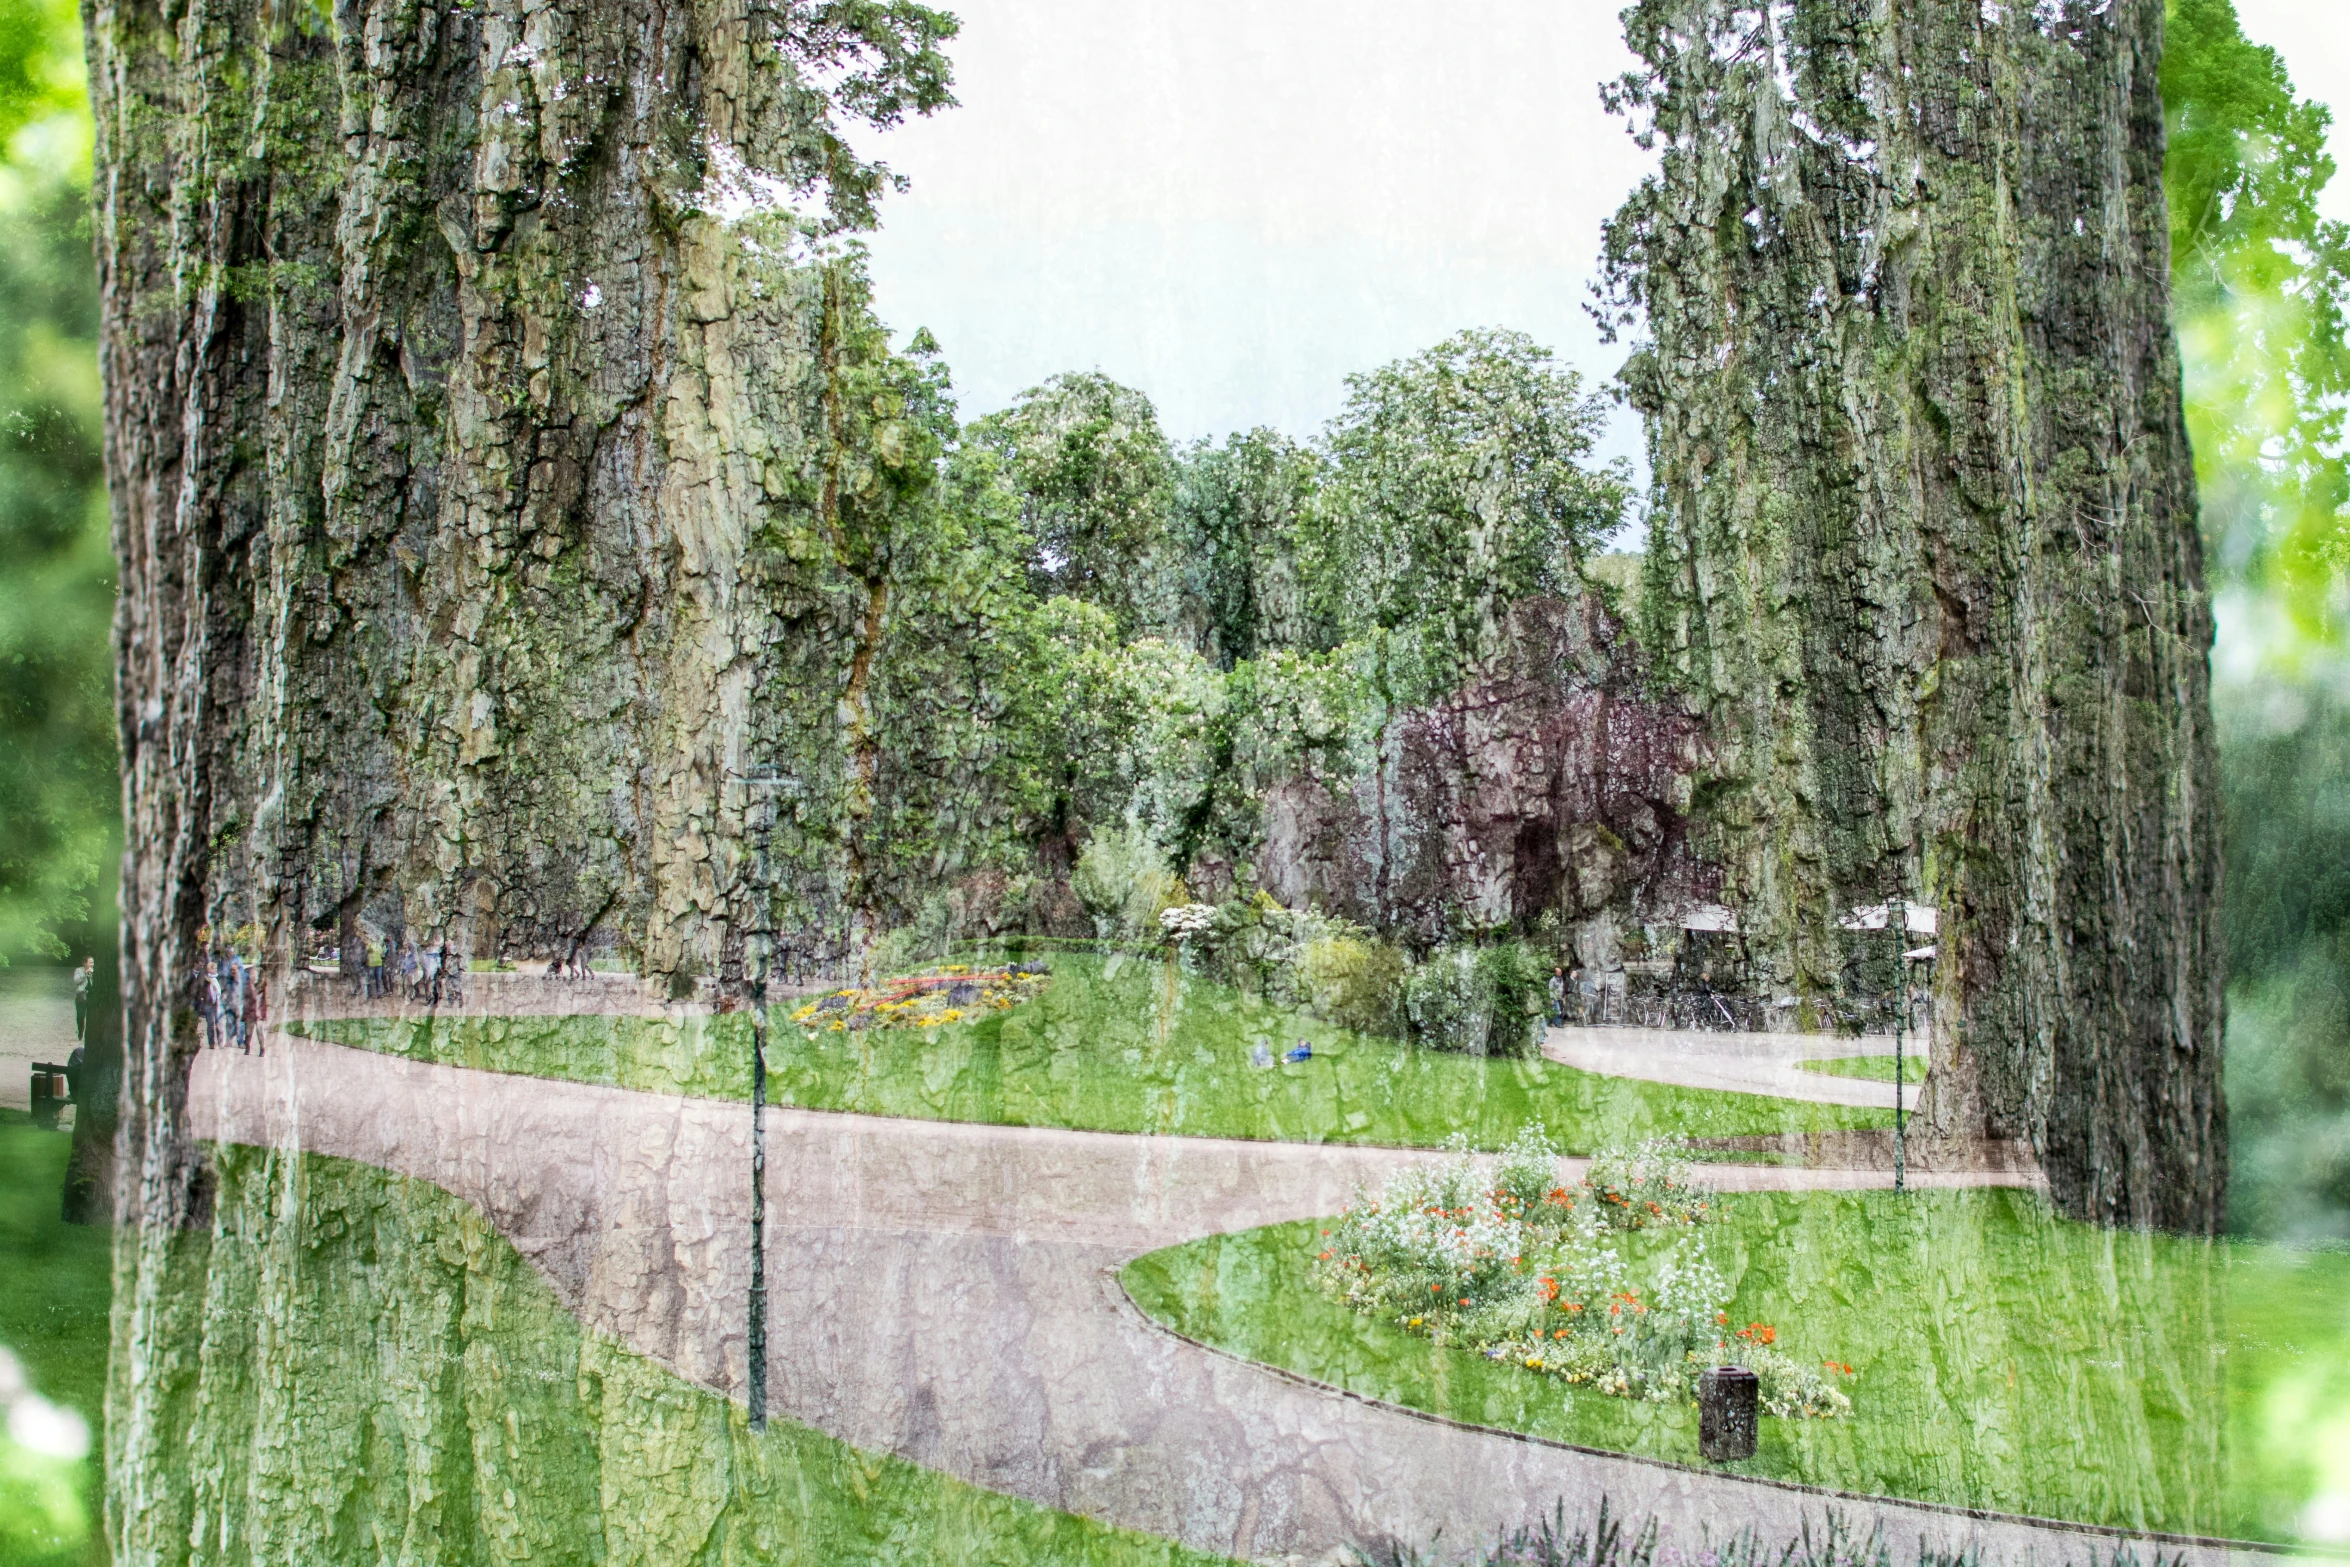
(1527, 1173)
(1353, 980)
(1477, 1000)
(1123, 880)
(1514, 978)
(1496, 1258)
(1446, 1002)
(1651, 1184)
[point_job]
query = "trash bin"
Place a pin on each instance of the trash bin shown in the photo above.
(1728, 1399)
(50, 1093)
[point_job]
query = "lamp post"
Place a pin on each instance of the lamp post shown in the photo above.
(1897, 916)
(757, 1347)
(759, 826)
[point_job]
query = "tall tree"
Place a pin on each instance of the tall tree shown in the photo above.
(477, 470)
(1924, 546)
(1092, 470)
(60, 790)
(1463, 482)
(2261, 283)
(2261, 279)
(1239, 543)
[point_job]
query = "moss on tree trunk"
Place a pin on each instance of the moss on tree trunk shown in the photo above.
(1925, 551)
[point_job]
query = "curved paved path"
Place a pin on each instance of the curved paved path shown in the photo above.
(947, 1292)
(1754, 1063)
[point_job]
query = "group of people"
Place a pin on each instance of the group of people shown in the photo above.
(431, 974)
(232, 1001)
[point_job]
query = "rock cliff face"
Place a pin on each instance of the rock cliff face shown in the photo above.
(1926, 557)
(1552, 781)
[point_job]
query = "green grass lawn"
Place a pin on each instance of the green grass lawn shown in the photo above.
(358, 1368)
(55, 1283)
(1876, 1068)
(2006, 1359)
(1117, 1045)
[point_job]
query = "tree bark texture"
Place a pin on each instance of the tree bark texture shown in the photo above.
(464, 447)
(1925, 551)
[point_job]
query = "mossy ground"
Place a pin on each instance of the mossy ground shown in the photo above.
(2004, 1358)
(1117, 1045)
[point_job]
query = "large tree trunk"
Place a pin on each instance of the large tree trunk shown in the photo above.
(1925, 546)
(444, 419)
(462, 452)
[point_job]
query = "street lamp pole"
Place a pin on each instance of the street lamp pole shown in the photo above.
(1897, 916)
(759, 825)
(758, 1325)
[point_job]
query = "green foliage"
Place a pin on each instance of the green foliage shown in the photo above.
(1355, 980)
(1239, 555)
(59, 801)
(872, 62)
(1093, 474)
(1460, 485)
(1477, 1000)
(2259, 282)
(53, 1317)
(2289, 947)
(1123, 880)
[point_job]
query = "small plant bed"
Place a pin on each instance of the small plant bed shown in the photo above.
(1540, 1277)
(2002, 1357)
(1875, 1068)
(932, 1000)
(1113, 1044)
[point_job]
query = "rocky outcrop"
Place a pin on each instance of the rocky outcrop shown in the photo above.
(1553, 781)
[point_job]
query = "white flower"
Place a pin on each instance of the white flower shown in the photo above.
(1187, 919)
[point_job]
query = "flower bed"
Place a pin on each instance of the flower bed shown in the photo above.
(953, 994)
(1504, 1261)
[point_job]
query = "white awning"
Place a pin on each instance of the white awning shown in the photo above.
(1709, 917)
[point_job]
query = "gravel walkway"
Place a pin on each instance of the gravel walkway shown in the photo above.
(947, 1292)
(1753, 1063)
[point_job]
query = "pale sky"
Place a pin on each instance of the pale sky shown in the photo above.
(1232, 203)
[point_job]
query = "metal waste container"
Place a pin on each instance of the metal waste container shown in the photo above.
(51, 1093)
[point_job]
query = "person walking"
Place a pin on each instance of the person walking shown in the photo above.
(1558, 993)
(231, 998)
(208, 1003)
(255, 1009)
(373, 986)
(83, 978)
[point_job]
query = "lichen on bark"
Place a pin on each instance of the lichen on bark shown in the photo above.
(1924, 552)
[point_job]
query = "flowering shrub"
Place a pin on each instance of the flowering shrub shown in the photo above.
(952, 994)
(1500, 1259)
(1188, 919)
(1651, 1184)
